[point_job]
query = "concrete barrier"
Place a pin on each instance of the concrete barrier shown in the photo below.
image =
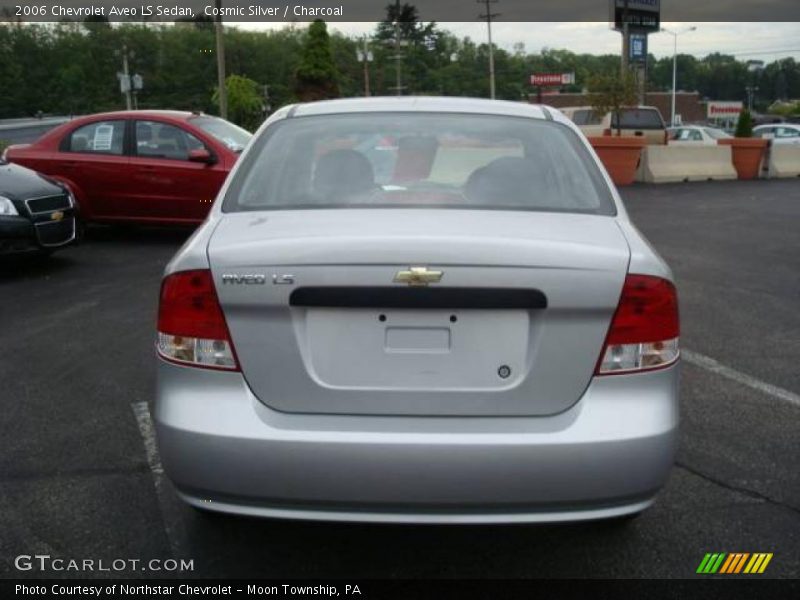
(784, 160)
(668, 164)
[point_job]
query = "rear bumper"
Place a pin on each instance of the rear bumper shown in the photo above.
(606, 456)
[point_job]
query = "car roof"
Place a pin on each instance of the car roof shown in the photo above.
(181, 115)
(426, 104)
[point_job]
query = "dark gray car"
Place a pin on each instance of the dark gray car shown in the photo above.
(37, 215)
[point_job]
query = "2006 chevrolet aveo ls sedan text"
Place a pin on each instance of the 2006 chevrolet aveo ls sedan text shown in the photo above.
(418, 310)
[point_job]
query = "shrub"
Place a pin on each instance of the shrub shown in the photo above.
(744, 127)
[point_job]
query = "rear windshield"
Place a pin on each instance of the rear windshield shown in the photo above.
(638, 118)
(716, 134)
(586, 117)
(415, 160)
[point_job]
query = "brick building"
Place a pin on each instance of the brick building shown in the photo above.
(687, 104)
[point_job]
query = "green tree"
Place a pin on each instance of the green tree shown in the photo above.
(407, 18)
(71, 67)
(316, 76)
(612, 92)
(244, 101)
(744, 126)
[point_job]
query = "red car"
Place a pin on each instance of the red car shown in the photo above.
(152, 166)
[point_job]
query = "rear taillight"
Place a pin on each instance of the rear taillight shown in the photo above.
(644, 331)
(191, 327)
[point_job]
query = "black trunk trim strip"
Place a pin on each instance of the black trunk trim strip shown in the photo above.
(418, 297)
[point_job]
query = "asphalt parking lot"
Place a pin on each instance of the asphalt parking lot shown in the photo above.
(77, 364)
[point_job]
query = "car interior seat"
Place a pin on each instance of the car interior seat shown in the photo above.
(80, 143)
(506, 181)
(341, 174)
(172, 143)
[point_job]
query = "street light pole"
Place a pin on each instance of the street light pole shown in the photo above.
(674, 35)
(674, 77)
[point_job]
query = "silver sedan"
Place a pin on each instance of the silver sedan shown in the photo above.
(418, 310)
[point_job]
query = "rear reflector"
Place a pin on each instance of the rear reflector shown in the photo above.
(191, 327)
(645, 329)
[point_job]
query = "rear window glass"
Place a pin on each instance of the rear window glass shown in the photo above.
(716, 134)
(585, 117)
(638, 118)
(418, 160)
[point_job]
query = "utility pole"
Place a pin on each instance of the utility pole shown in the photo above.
(129, 85)
(489, 16)
(751, 93)
(626, 42)
(398, 56)
(126, 74)
(222, 92)
(365, 56)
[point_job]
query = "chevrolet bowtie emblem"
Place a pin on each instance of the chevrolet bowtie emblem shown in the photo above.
(56, 216)
(418, 276)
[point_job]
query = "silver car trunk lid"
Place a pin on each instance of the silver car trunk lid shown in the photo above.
(514, 326)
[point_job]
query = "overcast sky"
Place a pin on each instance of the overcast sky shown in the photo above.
(764, 41)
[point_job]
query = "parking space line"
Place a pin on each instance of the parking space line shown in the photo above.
(146, 429)
(709, 364)
(145, 422)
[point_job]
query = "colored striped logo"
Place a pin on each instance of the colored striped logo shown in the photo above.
(733, 563)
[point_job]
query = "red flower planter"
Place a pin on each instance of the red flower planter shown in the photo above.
(747, 155)
(620, 155)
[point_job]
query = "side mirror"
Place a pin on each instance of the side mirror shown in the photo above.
(201, 155)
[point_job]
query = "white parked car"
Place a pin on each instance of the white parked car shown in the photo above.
(695, 135)
(780, 133)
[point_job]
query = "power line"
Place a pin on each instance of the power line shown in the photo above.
(748, 53)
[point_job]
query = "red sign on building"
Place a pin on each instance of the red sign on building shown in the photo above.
(554, 79)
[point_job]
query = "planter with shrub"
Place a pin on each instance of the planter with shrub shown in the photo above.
(747, 151)
(619, 155)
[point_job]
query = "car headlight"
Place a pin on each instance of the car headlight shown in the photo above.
(7, 207)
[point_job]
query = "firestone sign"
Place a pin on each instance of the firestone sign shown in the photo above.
(723, 110)
(554, 79)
